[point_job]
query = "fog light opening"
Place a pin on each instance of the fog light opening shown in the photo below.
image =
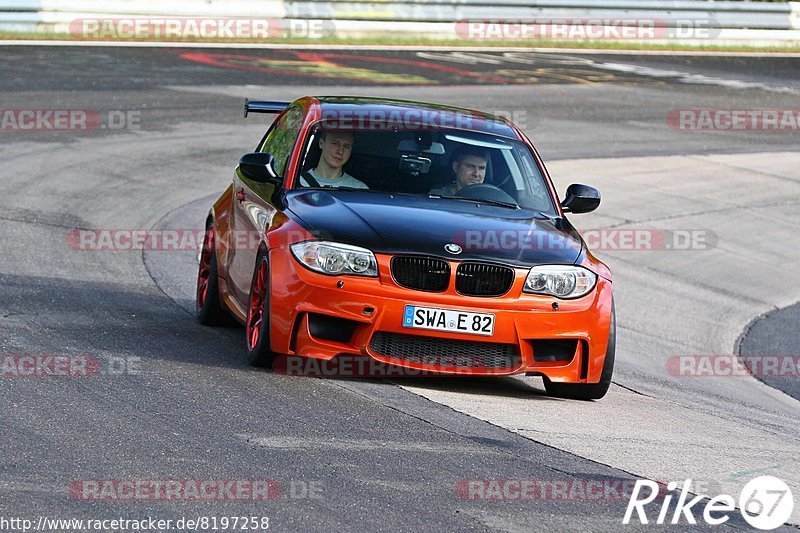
(554, 350)
(331, 328)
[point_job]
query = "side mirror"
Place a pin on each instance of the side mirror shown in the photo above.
(260, 167)
(581, 199)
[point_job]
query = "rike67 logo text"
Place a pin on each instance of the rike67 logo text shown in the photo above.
(765, 503)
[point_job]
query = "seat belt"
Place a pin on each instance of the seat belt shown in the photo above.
(310, 180)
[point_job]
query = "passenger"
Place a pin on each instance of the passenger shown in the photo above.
(469, 168)
(336, 147)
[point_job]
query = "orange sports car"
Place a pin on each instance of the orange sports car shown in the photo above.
(422, 236)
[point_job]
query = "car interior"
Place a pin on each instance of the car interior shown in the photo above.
(416, 162)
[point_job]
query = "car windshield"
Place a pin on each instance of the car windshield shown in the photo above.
(445, 165)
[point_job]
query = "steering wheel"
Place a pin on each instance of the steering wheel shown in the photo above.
(485, 191)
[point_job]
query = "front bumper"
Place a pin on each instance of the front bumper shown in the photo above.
(376, 307)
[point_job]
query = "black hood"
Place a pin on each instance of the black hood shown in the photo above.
(405, 224)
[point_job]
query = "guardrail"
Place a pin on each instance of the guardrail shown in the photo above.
(736, 20)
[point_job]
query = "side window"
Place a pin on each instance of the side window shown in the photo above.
(280, 140)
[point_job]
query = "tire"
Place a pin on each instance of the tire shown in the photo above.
(256, 328)
(208, 308)
(590, 391)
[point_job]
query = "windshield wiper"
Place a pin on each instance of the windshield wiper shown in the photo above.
(480, 200)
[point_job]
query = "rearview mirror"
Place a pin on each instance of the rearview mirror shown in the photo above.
(409, 145)
(260, 167)
(581, 199)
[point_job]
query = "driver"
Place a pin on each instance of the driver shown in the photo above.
(469, 168)
(336, 147)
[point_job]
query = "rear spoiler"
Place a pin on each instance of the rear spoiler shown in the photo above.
(260, 106)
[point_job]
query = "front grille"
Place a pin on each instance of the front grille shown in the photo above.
(445, 352)
(480, 279)
(421, 273)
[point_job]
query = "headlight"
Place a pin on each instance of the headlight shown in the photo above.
(336, 259)
(560, 281)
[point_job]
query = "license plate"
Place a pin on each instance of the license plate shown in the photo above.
(448, 320)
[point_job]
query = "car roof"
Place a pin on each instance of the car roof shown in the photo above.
(412, 113)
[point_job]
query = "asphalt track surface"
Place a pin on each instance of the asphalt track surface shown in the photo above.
(389, 454)
(771, 334)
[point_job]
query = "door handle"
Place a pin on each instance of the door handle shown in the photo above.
(240, 195)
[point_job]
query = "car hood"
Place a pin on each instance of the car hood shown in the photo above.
(403, 224)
